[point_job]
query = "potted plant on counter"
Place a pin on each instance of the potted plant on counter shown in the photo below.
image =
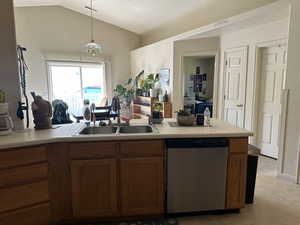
(151, 80)
(185, 118)
(147, 85)
(126, 93)
(156, 114)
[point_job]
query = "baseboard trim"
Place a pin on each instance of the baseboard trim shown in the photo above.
(287, 177)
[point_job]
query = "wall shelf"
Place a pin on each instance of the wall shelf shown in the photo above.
(143, 106)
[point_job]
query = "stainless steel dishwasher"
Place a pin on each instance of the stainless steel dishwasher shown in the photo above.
(196, 174)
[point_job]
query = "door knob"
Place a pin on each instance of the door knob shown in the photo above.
(239, 105)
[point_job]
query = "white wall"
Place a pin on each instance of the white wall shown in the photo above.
(152, 58)
(186, 48)
(250, 37)
(291, 149)
(168, 54)
(53, 32)
(9, 77)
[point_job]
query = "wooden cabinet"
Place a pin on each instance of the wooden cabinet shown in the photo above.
(36, 215)
(20, 196)
(236, 173)
(141, 149)
(142, 190)
(142, 177)
(24, 191)
(93, 150)
(23, 175)
(58, 183)
(94, 188)
(24, 156)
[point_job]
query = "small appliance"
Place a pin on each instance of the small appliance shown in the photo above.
(6, 123)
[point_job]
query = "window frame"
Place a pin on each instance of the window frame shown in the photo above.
(50, 63)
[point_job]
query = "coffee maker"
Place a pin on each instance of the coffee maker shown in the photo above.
(6, 123)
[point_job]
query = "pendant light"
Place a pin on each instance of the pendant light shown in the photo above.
(92, 48)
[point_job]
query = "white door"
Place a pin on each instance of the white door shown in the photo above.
(273, 72)
(235, 86)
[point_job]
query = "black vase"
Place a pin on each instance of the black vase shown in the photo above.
(156, 115)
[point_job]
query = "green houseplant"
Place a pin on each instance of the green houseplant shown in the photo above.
(151, 80)
(126, 92)
(147, 84)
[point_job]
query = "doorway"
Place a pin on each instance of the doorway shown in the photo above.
(199, 83)
(236, 61)
(272, 71)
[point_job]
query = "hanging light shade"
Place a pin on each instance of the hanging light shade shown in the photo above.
(92, 48)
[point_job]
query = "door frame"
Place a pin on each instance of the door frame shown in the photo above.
(256, 97)
(226, 51)
(213, 53)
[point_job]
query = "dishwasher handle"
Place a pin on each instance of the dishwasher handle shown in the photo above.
(197, 143)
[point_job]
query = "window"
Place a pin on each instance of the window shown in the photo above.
(74, 82)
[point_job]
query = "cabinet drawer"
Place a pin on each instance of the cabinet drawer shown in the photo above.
(142, 148)
(238, 145)
(22, 175)
(23, 156)
(38, 215)
(93, 150)
(24, 195)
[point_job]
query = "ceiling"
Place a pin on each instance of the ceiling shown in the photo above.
(250, 19)
(139, 16)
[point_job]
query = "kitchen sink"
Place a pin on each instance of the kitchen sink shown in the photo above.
(98, 130)
(135, 129)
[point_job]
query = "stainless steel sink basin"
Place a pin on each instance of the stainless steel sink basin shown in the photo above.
(135, 129)
(98, 130)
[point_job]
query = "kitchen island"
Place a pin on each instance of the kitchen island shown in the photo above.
(57, 176)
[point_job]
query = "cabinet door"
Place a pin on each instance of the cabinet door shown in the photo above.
(236, 181)
(94, 188)
(142, 191)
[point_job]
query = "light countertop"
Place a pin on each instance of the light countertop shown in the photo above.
(68, 133)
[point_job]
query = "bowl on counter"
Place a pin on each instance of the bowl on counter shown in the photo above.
(188, 120)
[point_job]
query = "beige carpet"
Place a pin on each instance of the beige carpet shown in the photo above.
(276, 203)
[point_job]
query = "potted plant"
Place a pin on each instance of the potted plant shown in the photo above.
(151, 80)
(185, 118)
(156, 113)
(125, 93)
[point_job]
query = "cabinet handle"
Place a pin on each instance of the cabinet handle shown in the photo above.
(240, 105)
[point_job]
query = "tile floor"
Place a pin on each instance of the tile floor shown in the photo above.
(276, 203)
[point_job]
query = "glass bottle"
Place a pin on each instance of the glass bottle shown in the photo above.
(87, 115)
(207, 117)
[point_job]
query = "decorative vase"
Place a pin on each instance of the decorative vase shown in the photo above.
(151, 92)
(156, 117)
(154, 92)
(186, 120)
(126, 109)
(139, 92)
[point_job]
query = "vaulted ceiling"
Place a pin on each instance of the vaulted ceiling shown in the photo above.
(149, 16)
(138, 16)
